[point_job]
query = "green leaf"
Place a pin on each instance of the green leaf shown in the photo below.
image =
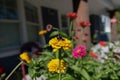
(45, 46)
(31, 73)
(85, 74)
(77, 69)
(55, 77)
(118, 56)
(114, 77)
(98, 76)
(118, 73)
(54, 33)
(68, 77)
(63, 34)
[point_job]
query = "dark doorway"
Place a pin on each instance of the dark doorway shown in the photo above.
(97, 29)
(49, 16)
(75, 5)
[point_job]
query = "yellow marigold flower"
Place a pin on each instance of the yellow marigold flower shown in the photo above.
(58, 43)
(42, 32)
(25, 56)
(53, 66)
(67, 44)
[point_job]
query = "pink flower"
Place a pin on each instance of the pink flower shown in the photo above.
(79, 51)
(113, 20)
(49, 27)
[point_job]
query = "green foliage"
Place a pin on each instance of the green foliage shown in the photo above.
(38, 66)
(56, 33)
(85, 68)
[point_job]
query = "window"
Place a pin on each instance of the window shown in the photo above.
(8, 9)
(10, 30)
(31, 13)
(9, 36)
(32, 33)
(64, 22)
(100, 28)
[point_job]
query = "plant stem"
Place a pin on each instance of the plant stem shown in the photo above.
(71, 28)
(13, 70)
(60, 71)
(60, 65)
(82, 33)
(23, 70)
(71, 32)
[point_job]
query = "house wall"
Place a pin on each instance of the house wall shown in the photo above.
(62, 6)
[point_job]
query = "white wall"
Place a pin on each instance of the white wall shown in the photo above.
(99, 6)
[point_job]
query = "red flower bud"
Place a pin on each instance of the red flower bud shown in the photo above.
(72, 15)
(85, 24)
(103, 43)
(93, 55)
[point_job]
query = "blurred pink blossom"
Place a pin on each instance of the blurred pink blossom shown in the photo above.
(49, 27)
(113, 20)
(79, 51)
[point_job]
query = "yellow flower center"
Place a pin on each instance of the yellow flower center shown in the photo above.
(78, 51)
